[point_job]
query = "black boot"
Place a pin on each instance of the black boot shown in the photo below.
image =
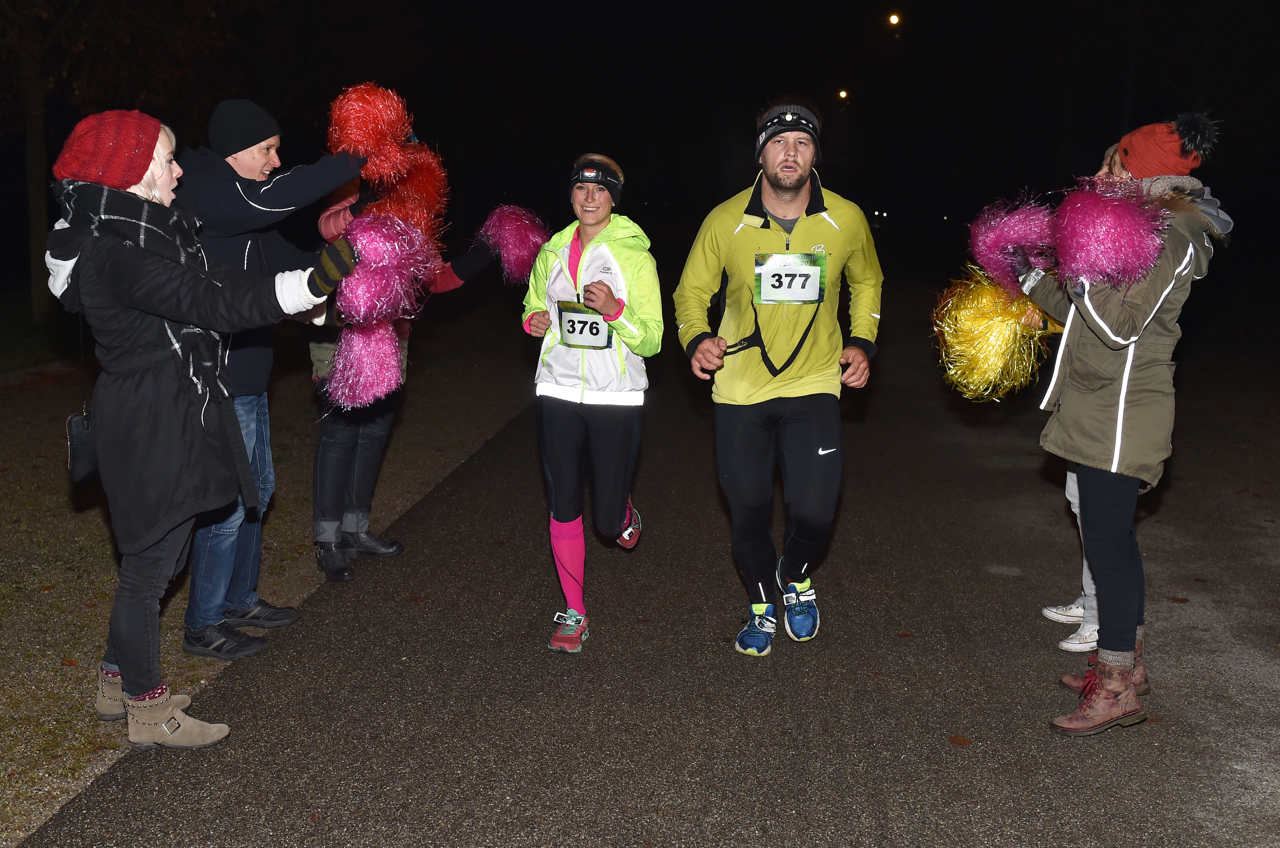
(330, 560)
(370, 544)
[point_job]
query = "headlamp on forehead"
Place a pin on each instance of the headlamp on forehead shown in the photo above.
(783, 119)
(600, 173)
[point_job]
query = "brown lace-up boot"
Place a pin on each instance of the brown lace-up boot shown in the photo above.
(1106, 700)
(1075, 682)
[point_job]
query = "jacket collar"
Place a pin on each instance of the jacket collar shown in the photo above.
(757, 216)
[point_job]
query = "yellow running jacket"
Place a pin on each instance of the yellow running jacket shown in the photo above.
(779, 349)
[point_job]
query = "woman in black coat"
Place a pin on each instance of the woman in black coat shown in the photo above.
(169, 447)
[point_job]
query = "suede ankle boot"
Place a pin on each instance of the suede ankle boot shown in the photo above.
(1106, 700)
(160, 721)
(109, 704)
(1075, 682)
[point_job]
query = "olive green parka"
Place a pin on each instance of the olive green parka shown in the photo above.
(1111, 391)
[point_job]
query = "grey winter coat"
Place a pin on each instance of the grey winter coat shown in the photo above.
(1111, 389)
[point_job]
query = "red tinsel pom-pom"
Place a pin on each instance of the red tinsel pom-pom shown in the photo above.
(419, 198)
(373, 122)
(516, 235)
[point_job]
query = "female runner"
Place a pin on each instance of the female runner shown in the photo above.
(594, 300)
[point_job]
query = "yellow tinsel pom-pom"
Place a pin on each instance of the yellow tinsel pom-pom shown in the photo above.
(987, 348)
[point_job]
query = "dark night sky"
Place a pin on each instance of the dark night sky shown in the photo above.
(957, 106)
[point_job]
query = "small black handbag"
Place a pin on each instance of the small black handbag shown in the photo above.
(82, 456)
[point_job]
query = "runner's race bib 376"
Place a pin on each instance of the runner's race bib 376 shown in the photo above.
(583, 327)
(790, 277)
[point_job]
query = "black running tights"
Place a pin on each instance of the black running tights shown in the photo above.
(802, 435)
(598, 438)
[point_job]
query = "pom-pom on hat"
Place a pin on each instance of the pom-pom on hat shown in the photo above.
(238, 125)
(113, 149)
(787, 117)
(1158, 150)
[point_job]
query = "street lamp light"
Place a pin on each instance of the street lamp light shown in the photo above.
(893, 19)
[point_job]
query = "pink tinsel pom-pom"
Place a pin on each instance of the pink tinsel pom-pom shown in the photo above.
(374, 123)
(1106, 232)
(1001, 228)
(366, 365)
(395, 260)
(516, 235)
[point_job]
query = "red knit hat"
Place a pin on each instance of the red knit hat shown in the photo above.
(1156, 150)
(113, 149)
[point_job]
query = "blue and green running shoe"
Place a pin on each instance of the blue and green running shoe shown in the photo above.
(757, 636)
(800, 601)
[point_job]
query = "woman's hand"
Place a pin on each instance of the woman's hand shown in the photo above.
(600, 297)
(539, 323)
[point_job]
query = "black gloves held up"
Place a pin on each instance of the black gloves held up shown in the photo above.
(367, 196)
(336, 261)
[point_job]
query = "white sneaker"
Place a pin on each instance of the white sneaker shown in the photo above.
(1082, 641)
(1070, 614)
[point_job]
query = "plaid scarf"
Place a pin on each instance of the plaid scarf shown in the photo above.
(168, 232)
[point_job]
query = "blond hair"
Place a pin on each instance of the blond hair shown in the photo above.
(146, 187)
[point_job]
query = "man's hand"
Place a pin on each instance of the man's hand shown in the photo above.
(600, 297)
(855, 376)
(708, 357)
(539, 323)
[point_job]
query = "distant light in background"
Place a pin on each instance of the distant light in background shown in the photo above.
(843, 95)
(893, 19)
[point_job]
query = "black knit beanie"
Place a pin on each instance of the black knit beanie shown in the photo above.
(238, 125)
(787, 118)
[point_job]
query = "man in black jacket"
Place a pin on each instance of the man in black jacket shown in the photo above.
(235, 190)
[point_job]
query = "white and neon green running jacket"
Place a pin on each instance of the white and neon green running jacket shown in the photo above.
(619, 257)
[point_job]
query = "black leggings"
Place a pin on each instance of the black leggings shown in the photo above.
(133, 640)
(1107, 505)
(601, 437)
(803, 434)
(348, 456)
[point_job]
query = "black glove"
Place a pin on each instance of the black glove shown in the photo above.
(1018, 260)
(336, 261)
(475, 260)
(367, 196)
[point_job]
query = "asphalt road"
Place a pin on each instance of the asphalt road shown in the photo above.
(419, 705)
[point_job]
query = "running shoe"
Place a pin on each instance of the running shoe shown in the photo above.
(757, 637)
(631, 533)
(801, 604)
(571, 633)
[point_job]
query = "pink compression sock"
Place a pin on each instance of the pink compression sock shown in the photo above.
(570, 551)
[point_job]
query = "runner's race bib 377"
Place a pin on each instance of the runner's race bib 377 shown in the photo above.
(790, 277)
(582, 327)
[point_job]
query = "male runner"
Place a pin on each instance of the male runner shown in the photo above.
(778, 251)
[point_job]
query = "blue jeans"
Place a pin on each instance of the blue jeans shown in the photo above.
(227, 550)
